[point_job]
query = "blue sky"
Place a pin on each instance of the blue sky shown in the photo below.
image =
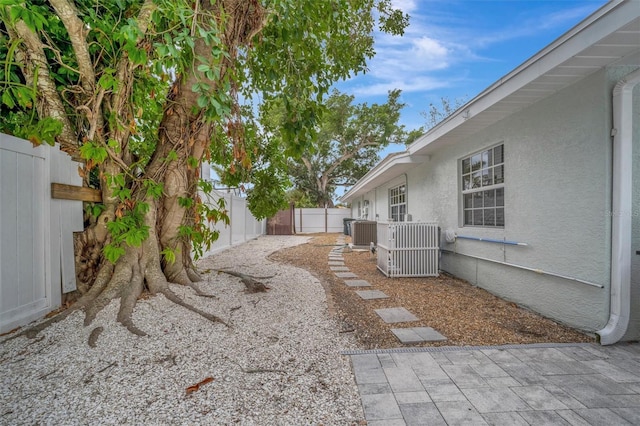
(457, 48)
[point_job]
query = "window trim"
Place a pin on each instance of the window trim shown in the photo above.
(391, 204)
(483, 188)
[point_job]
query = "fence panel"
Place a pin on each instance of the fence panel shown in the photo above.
(313, 220)
(243, 226)
(36, 232)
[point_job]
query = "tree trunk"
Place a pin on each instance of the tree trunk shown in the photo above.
(184, 136)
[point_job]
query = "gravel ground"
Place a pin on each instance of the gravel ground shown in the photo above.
(278, 363)
(465, 314)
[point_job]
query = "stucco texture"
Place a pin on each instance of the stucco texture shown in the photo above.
(557, 194)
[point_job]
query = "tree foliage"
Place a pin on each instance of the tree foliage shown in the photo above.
(143, 91)
(437, 113)
(346, 145)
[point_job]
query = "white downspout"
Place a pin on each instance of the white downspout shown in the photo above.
(621, 210)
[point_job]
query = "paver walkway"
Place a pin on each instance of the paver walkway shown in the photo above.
(550, 384)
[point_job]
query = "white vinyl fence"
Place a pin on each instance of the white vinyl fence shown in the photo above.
(36, 232)
(408, 249)
(242, 225)
(312, 220)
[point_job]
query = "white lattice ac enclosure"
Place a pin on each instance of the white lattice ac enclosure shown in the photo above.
(408, 249)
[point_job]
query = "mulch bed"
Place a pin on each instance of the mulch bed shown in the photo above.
(465, 314)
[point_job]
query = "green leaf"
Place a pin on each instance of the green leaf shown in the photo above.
(154, 189)
(112, 253)
(7, 99)
(169, 255)
(186, 202)
(134, 237)
(91, 151)
(172, 156)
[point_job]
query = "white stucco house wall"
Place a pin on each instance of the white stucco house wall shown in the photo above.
(548, 157)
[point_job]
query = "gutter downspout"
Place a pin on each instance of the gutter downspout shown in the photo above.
(622, 133)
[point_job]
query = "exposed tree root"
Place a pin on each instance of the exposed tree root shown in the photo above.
(124, 281)
(251, 282)
(199, 291)
(130, 295)
(93, 337)
(137, 267)
(193, 275)
(175, 299)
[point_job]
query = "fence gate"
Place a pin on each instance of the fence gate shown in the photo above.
(281, 223)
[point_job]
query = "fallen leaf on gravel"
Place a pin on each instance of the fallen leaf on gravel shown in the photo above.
(196, 387)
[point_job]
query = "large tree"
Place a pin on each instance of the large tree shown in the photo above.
(347, 145)
(144, 90)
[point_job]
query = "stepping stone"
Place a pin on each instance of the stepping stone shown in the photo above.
(346, 275)
(371, 294)
(336, 263)
(428, 334)
(357, 283)
(417, 335)
(393, 315)
(339, 268)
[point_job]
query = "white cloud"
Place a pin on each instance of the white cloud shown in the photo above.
(429, 49)
(407, 85)
(440, 47)
(407, 6)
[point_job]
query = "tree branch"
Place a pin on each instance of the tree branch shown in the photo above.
(124, 69)
(36, 72)
(77, 32)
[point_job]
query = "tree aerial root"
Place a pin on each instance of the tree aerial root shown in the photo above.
(251, 282)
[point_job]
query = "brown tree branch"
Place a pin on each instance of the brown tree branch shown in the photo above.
(36, 72)
(77, 32)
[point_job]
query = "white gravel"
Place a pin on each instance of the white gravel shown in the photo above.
(278, 364)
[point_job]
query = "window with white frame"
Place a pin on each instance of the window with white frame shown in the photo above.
(398, 203)
(483, 188)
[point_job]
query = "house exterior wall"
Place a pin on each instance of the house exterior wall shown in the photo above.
(557, 195)
(634, 324)
(371, 211)
(379, 200)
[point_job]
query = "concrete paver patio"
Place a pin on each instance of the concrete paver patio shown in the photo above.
(563, 384)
